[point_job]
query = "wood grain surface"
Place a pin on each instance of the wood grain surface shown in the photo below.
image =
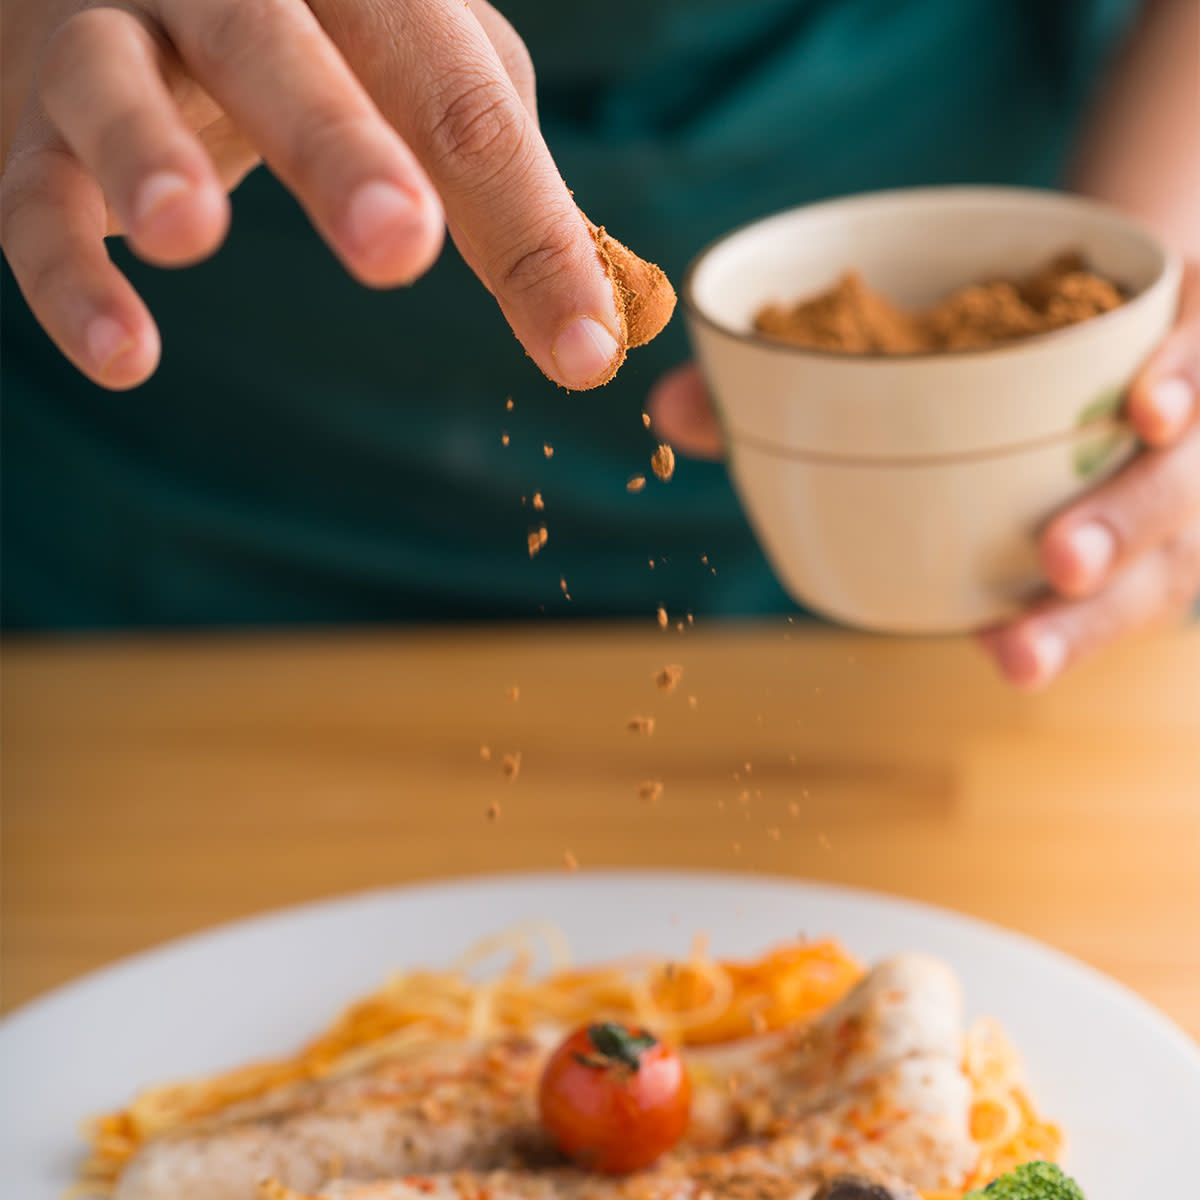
(154, 786)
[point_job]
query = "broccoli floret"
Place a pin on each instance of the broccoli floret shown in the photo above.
(1030, 1181)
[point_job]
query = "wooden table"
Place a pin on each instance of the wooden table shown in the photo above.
(154, 786)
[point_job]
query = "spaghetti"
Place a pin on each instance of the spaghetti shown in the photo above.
(699, 1000)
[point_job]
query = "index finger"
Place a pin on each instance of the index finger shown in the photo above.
(446, 90)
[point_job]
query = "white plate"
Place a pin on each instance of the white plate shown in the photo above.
(1123, 1081)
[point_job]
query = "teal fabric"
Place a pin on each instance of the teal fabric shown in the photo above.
(311, 451)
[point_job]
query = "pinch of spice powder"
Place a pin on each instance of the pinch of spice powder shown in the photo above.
(641, 725)
(511, 765)
(538, 502)
(663, 462)
(636, 483)
(668, 677)
(663, 619)
(650, 791)
(537, 539)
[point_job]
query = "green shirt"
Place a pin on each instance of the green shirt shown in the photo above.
(312, 451)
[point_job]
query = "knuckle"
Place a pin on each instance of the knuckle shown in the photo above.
(533, 270)
(69, 49)
(477, 132)
(223, 33)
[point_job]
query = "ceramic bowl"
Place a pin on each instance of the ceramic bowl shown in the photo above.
(905, 494)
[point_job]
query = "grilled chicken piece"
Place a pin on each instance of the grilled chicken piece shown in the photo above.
(909, 1123)
(874, 1082)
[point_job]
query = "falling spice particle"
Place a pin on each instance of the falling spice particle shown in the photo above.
(504, 439)
(744, 797)
(493, 811)
(679, 626)
(538, 502)
(510, 764)
(773, 833)
(513, 693)
(508, 404)
(823, 842)
(650, 791)
(547, 450)
(704, 559)
(641, 725)
(651, 562)
(668, 677)
(485, 752)
(646, 420)
(748, 768)
(690, 619)
(636, 483)
(663, 619)
(693, 702)
(792, 759)
(570, 861)
(663, 462)
(562, 583)
(737, 847)
(794, 808)
(537, 539)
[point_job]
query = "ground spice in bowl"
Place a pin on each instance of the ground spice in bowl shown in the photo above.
(854, 319)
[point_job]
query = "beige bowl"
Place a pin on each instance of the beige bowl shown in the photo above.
(904, 494)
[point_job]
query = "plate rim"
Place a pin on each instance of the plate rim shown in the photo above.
(64, 993)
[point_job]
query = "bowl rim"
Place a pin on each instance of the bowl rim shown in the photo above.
(1169, 271)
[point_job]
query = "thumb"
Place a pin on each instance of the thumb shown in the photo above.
(683, 415)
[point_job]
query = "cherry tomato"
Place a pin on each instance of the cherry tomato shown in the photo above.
(614, 1098)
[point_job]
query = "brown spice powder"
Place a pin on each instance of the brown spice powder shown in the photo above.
(537, 539)
(669, 676)
(854, 319)
(663, 462)
(650, 791)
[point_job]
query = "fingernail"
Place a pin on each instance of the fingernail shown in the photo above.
(583, 353)
(157, 192)
(1172, 401)
(377, 213)
(106, 340)
(1048, 652)
(1093, 549)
